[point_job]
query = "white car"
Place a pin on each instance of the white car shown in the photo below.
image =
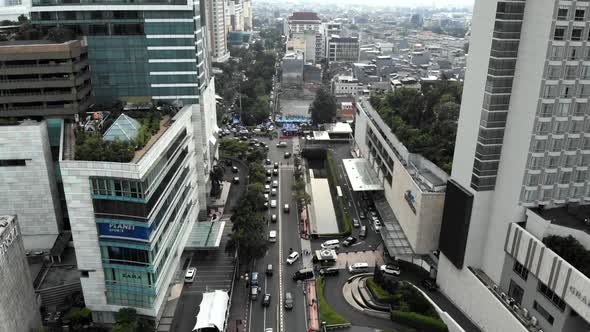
(390, 269)
(273, 192)
(275, 183)
(190, 274)
(293, 257)
(272, 236)
(273, 203)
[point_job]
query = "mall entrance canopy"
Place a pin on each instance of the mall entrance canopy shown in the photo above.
(361, 175)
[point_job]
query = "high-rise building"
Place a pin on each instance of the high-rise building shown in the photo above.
(215, 17)
(342, 49)
(247, 12)
(19, 305)
(12, 9)
(519, 182)
(234, 15)
(140, 52)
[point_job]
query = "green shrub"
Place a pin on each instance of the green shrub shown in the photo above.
(380, 294)
(417, 321)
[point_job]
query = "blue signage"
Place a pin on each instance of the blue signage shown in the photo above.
(124, 230)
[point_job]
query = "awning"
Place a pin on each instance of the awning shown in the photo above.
(361, 175)
(205, 235)
(212, 311)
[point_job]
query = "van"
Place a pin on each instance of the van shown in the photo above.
(331, 244)
(363, 232)
(272, 236)
(254, 279)
(303, 274)
(358, 268)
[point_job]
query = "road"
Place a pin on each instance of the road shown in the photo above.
(288, 238)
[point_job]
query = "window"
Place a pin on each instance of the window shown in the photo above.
(546, 109)
(579, 108)
(515, 291)
(12, 162)
(574, 52)
(551, 296)
(557, 53)
(544, 313)
(552, 161)
(532, 179)
(567, 91)
(572, 144)
(547, 194)
(571, 72)
(543, 128)
(584, 90)
(586, 146)
(530, 195)
(557, 143)
(562, 14)
(563, 109)
(564, 177)
(577, 126)
(536, 162)
(550, 178)
(570, 161)
(579, 14)
(539, 145)
(559, 33)
(580, 175)
(559, 127)
(554, 72)
(550, 91)
(520, 270)
(577, 33)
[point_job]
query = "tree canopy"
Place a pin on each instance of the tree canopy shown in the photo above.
(425, 122)
(323, 107)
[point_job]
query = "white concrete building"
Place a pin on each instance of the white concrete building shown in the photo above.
(346, 86)
(342, 49)
(28, 182)
(215, 17)
(130, 221)
(12, 9)
(521, 147)
(302, 21)
(20, 309)
(234, 15)
(411, 189)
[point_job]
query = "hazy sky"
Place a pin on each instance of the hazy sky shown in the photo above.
(390, 3)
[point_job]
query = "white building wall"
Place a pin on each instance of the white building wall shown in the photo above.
(30, 191)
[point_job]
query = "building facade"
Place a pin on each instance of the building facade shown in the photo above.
(302, 21)
(521, 145)
(342, 49)
(343, 86)
(130, 221)
(215, 17)
(19, 304)
(42, 78)
(234, 17)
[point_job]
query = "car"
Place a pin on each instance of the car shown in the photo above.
(330, 271)
(273, 203)
(355, 223)
(390, 269)
(265, 206)
(273, 192)
(287, 155)
(266, 188)
(268, 162)
(268, 330)
(268, 180)
(275, 172)
(281, 144)
(189, 276)
(286, 208)
(268, 172)
(293, 257)
(234, 169)
(429, 284)
(269, 270)
(288, 301)
(272, 236)
(266, 197)
(236, 180)
(275, 184)
(349, 241)
(362, 215)
(276, 165)
(266, 300)
(273, 218)
(254, 293)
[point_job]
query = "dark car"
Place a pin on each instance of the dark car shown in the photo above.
(430, 284)
(330, 271)
(276, 165)
(268, 172)
(268, 162)
(349, 241)
(362, 215)
(273, 218)
(266, 300)
(356, 223)
(287, 155)
(234, 169)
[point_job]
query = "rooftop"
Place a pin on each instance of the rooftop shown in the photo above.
(5, 222)
(304, 16)
(571, 216)
(361, 174)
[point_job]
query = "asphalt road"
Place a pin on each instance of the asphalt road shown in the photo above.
(288, 238)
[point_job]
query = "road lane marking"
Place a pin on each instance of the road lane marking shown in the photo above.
(280, 221)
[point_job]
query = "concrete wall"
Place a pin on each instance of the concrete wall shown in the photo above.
(19, 309)
(30, 191)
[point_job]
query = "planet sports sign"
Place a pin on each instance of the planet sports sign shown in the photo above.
(116, 229)
(8, 239)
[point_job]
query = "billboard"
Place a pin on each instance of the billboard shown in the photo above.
(117, 229)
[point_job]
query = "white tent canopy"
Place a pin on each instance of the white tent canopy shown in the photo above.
(213, 309)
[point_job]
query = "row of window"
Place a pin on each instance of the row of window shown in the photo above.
(563, 109)
(569, 90)
(550, 194)
(117, 187)
(561, 126)
(568, 72)
(12, 162)
(566, 14)
(570, 53)
(561, 160)
(551, 178)
(574, 33)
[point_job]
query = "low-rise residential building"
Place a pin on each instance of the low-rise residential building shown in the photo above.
(406, 82)
(346, 86)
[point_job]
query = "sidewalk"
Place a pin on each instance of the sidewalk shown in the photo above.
(238, 313)
(306, 259)
(313, 317)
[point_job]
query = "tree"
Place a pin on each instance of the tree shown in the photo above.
(78, 316)
(60, 34)
(323, 107)
(129, 321)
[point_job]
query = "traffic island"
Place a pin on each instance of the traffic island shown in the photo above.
(328, 316)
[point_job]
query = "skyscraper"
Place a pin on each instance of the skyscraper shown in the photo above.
(215, 18)
(519, 173)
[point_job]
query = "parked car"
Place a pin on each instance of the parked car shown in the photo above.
(275, 172)
(273, 191)
(189, 276)
(363, 232)
(266, 300)
(293, 257)
(236, 180)
(430, 284)
(287, 155)
(349, 241)
(390, 269)
(282, 144)
(276, 165)
(275, 184)
(273, 218)
(362, 215)
(268, 172)
(268, 162)
(330, 271)
(355, 223)
(273, 203)
(268, 180)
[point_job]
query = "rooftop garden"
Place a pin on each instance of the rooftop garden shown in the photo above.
(91, 145)
(571, 250)
(425, 122)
